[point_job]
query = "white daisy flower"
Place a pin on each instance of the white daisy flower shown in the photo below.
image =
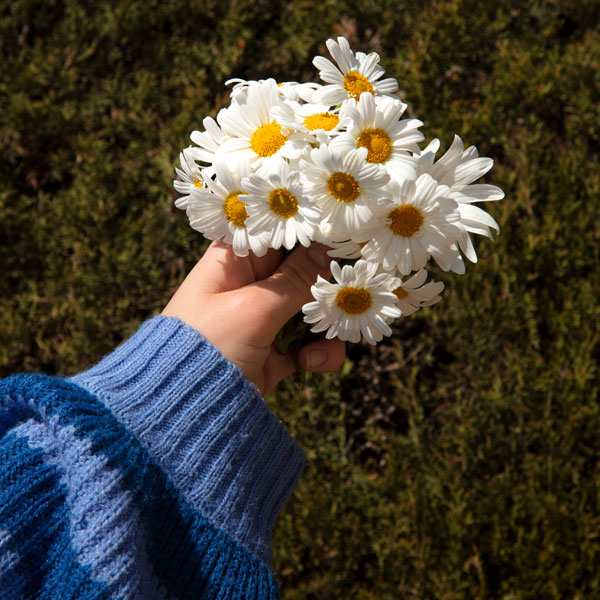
(190, 178)
(290, 90)
(219, 214)
(208, 142)
(418, 222)
(412, 294)
(308, 118)
(358, 303)
(458, 169)
(278, 208)
(378, 128)
(346, 188)
(256, 137)
(353, 75)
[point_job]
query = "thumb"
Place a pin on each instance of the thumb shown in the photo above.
(284, 293)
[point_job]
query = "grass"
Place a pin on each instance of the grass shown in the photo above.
(462, 458)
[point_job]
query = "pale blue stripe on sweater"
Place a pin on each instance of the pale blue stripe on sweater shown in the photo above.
(9, 578)
(106, 532)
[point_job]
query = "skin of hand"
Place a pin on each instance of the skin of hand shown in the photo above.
(239, 304)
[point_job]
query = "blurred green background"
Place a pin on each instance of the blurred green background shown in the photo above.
(461, 459)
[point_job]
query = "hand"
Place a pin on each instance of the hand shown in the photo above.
(239, 305)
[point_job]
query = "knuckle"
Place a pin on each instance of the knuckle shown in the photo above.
(299, 276)
(251, 304)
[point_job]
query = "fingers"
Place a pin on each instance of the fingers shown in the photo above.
(220, 270)
(264, 266)
(322, 355)
(277, 367)
(282, 295)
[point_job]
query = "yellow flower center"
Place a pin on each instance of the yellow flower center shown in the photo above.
(197, 182)
(235, 209)
(405, 220)
(356, 84)
(267, 139)
(378, 143)
(353, 300)
(401, 293)
(326, 121)
(282, 203)
(343, 187)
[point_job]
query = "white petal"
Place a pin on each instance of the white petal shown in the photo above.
(472, 170)
(478, 193)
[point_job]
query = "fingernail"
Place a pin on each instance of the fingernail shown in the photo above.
(315, 359)
(318, 253)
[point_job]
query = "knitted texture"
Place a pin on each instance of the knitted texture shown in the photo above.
(205, 425)
(164, 486)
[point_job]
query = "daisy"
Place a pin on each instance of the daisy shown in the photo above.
(418, 222)
(219, 214)
(412, 294)
(190, 178)
(358, 303)
(378, 128)
(290, 90)
(256, 137)
(278, 208)
(458, 169)
(353, 75)
(208, 142)
(308, 118)
(346, 188)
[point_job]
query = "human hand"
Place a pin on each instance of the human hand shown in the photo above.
(239, 305)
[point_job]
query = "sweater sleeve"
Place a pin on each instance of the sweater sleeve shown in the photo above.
(157, 473)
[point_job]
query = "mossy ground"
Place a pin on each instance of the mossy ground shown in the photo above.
(462, 458)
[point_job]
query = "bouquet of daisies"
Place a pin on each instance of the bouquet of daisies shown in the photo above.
(290, 163)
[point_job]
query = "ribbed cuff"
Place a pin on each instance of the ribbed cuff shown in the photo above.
(205, 424)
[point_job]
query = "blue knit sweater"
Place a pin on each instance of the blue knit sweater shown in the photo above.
(158, 473)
